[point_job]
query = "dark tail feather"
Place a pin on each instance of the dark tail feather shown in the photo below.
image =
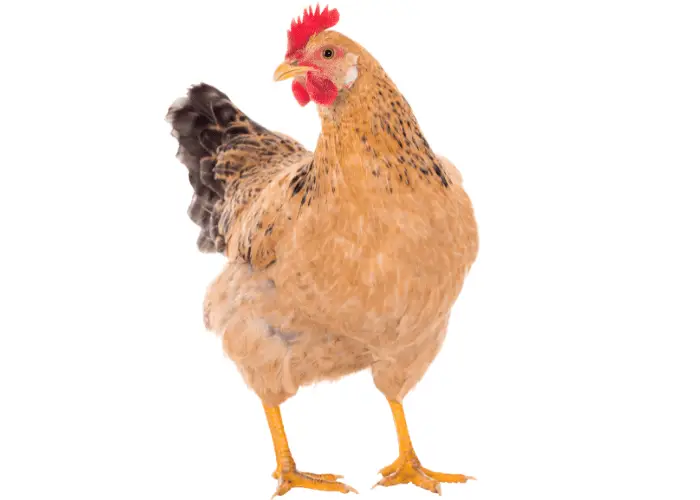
(199, 121)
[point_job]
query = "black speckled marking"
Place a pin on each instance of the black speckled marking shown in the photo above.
(440, 173)
(237, 130)
(298, 182)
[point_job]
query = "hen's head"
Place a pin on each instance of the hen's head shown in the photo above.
(321, 62)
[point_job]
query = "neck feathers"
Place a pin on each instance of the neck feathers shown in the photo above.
(371, 140)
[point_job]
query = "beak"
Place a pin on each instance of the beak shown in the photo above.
(286, 70)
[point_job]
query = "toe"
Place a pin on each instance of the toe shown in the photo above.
(323, 477)
(427, 483)
(391, 469)
(391, 480)
(320, 482)
(447, 478)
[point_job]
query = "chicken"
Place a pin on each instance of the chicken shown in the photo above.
(346, 258)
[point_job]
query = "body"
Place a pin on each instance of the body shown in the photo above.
(338, 260)
(376, 292)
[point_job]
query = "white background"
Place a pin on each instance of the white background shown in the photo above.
(571, 366)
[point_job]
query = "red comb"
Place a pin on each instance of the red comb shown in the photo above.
(311, 24)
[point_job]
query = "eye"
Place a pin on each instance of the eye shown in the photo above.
(328, 53)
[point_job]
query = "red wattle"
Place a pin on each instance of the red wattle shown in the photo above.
(300, 93)
(322, 90)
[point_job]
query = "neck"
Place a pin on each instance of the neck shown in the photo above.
(371, 140)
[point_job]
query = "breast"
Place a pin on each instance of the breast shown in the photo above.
(364, 267)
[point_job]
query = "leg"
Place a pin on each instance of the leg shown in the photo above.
(407, 468)
(395, 378)
(286, 473)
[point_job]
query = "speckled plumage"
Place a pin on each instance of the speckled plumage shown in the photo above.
(341, 259)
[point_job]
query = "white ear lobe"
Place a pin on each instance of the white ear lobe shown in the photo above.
(351, 76)
(352, 73)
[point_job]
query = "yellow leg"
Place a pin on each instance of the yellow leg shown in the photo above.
(286, 473)
(407, 468)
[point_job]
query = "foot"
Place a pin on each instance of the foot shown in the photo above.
(286, 480)
(407, 469)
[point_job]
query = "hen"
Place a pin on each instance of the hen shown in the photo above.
(341, 259)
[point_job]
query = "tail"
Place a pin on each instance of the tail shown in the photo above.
(200, 121)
